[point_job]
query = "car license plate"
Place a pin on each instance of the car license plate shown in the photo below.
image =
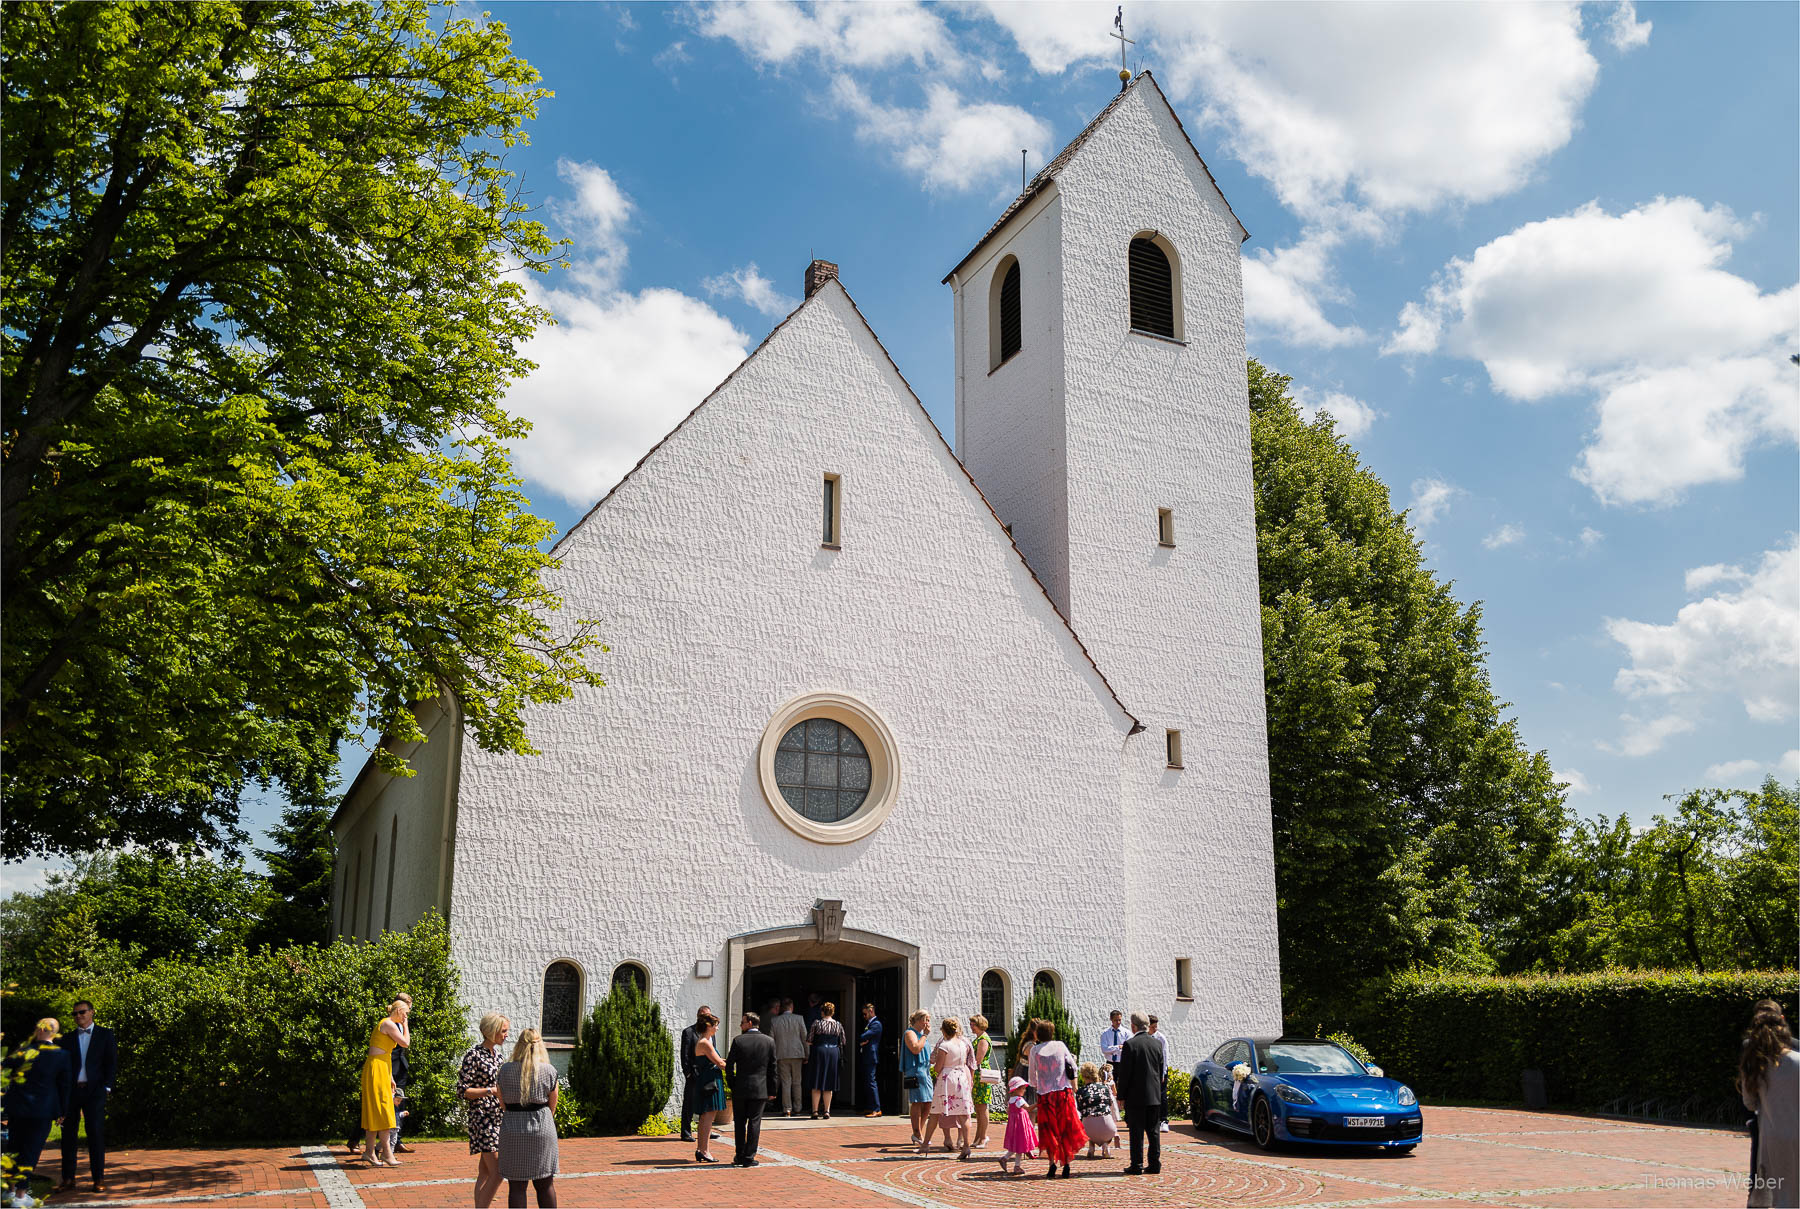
(1365, 1122)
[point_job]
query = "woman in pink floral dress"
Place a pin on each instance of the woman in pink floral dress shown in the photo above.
(952, 1096)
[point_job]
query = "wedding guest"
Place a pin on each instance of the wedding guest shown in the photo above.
(1769, 1081)
(402, 1073)
(1162, 1039)
(478, 1083)
(953, 1070)
(708, 1094)
(94, 1057)
(750, 1068)
(824, 1050)
(915, 1076)
(789, 1031)
(378, 1118)
(528, 1156)
(1112, 1040)
(38, 1100)
(1053, 1074)
(689, 1070)
(1142, 1077)
(1099, 1114)
(868, 1057)
(984, 1086)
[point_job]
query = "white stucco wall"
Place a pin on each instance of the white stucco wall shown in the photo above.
(641, 832)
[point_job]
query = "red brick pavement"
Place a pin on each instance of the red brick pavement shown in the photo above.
(1469, 1157)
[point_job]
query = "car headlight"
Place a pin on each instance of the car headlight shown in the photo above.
(1292, 1095)
(1406, 1096)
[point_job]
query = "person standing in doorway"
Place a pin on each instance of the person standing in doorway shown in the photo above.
(1162, 1039)
(868, 1057)
(824, 1052)
(94, 1056)
(789, 1032)
(915, 1076)
(1112, 1041)
(1143, 1074)
(750, 1069)
(689, 1068)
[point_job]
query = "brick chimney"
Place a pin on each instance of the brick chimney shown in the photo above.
(817, 274)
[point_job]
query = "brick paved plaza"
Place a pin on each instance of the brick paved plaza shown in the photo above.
(1469, 1157)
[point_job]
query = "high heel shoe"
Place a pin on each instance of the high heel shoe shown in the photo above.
(1051, 1174)
(703, 1158)
(1065, 1174)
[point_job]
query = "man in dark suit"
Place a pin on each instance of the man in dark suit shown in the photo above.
(1141, 1077)
(868, 1054)
(690, 1037)
(750, 1069)
(38, 1100)
(94, 1058)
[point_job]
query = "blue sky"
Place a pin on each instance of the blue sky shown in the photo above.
(1539, 261)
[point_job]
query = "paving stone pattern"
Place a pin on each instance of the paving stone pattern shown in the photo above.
(1480, 1157)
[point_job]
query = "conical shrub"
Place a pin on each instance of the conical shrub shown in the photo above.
(1046, 1004)
(622, 1066)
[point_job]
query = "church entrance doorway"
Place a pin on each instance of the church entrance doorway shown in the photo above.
(847, 966)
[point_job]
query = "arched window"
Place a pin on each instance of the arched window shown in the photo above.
(1046, 980)
(1155, 301)
(1005, 325)
(561, 1016)
(993, 1002)
(632, 972)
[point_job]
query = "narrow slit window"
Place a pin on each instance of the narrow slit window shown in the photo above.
(1165, 526)
(834, 510)
(1010, 334)
(1184, 978)
(1172, 740)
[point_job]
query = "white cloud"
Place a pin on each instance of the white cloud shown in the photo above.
(1624, 30)
(1590, 537)
(1352, 416)
(950, 143)
(1646, 737)
(1700, 578)
(748, 284)
(1789, 764)
(1284, 291)
(775, 33)
(1743, 642)
(1576, 782)
(619, 369)
(1686, 360)
(1505, 535)
(1430, 500)
(1734, 770)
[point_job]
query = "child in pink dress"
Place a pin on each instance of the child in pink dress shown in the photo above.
(1021, 1141)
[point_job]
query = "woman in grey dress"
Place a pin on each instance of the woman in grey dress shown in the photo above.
(528, 1134)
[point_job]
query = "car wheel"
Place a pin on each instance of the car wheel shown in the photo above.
(1262, 1123)
(1203, 1122)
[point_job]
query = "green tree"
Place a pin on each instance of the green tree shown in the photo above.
(621, 1070)
(259, 313)
(1045, 1004)
(1410, 824)
(299, 877)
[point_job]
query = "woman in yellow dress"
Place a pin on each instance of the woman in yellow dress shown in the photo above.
(378, 1084)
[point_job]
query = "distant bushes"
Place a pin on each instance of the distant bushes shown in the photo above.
(269, 1045)
(1597, 1037)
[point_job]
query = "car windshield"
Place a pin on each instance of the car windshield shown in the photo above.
(1315, 1058)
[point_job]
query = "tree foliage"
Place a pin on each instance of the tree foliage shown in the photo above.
(1410, 824)
(261, 303)
(621, 1070)
(1045, 1004)
(300, 866)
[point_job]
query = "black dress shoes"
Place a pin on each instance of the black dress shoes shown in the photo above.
(1153, 1171)
(747, 1162)
(1132, 1171)
(687, 1137)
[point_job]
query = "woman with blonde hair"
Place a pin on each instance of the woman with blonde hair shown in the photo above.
(1769, 1081)
(528, 1134)
(982, 1090)
(378, 1120)
(478, 1083)
(39, 1098)
(1098, 1111)
(915, 1077)
(953, 1069)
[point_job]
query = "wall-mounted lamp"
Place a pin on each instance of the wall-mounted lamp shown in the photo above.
(703, 968)
(939, 972)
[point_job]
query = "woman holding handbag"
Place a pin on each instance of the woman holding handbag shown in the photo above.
(986, 1079)
(915, 1077)
(1060, 1133)
(952, 1099)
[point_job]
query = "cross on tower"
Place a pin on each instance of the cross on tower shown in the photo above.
(1119, 33)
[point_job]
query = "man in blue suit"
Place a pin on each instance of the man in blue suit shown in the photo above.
(41, 1098)
(868, 1056)
(94, 1057)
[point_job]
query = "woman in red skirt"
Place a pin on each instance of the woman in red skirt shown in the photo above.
(1060, 1133)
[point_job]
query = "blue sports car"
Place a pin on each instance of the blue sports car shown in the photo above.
(1303, 1091)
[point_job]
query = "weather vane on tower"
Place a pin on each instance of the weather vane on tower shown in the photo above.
(1119, 33)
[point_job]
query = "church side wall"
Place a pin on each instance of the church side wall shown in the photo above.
(1009, 429)
(397, 823)
(641, 832)
(1151, 424)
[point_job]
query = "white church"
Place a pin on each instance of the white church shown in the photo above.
(888, 724)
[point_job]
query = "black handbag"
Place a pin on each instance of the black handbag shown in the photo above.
(910, 1082)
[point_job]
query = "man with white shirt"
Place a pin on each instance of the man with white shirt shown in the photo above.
(95, 1056)
(1162, 1039)
(1112, 1042)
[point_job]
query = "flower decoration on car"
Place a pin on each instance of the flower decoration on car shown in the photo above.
(1241, 1071)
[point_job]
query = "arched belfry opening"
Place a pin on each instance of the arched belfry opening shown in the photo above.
(1155, 286)
(1005, 316)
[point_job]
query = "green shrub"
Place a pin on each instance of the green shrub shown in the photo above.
(269, 1045)
(656, 1126)
(1175, 1103)
(622, 1067)
(1350, 1043)
(571, 1121)
(1045, 1004)
(21, 1009)
(1597, 1037)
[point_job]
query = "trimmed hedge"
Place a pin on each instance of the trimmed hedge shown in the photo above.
(269, 1045)
(1661, 1034)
